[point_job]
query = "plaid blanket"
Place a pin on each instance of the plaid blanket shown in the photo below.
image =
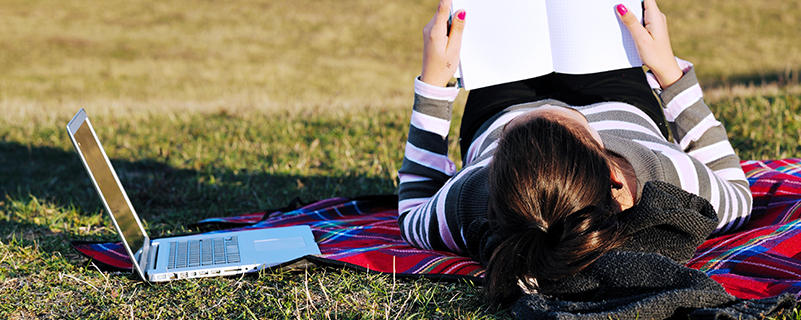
(360, 233)
(762, 259)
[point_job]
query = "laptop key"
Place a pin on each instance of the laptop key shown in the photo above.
(232, 249)
(181, 255)
(219, 250)
(194, 253)
(207, 257)
(171, 258)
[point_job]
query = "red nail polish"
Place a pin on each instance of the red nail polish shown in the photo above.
(621, 9)
(461, 15)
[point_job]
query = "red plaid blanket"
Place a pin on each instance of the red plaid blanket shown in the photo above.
(361, 233)
(761, 259)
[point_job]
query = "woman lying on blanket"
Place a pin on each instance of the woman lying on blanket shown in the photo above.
(550, 161)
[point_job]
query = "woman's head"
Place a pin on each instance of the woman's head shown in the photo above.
(572, 118)
(551, 201)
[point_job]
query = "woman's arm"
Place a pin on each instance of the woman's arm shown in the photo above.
(435, 202)
(426, 167)
(714, 171)
(704, 138)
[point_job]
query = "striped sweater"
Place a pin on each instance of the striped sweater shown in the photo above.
(436, 201)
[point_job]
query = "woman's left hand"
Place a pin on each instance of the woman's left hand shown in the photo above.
(440, 47)
(653, 42)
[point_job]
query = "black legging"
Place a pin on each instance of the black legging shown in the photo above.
(625, 85)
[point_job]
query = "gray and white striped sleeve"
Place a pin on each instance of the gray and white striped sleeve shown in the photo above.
(426, 219)
(717, 171)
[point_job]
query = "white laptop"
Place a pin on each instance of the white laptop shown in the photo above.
(203, 255)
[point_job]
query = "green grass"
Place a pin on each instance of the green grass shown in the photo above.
(763, 127)
(233, 165)
(216, 108)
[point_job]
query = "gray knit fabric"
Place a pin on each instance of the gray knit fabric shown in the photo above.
(644, 280)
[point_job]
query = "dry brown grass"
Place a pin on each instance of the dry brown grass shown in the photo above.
(737, 41)
(121, 57)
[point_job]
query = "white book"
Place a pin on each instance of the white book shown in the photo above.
(511, 40)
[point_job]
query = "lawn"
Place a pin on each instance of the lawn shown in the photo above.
(211, 108)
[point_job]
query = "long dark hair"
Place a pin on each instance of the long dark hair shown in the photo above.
(551, 202)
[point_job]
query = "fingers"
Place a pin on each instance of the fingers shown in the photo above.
(638, 32)
(457, 29)
(652, 41)
(440, 47)
(653, 18)
(441, 17)
(650, 5)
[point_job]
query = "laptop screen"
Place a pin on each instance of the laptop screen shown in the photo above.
(109, 187)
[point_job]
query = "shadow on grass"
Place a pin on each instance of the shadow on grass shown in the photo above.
(167, 198)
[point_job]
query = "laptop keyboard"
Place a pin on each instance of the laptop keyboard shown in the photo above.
(203, 252)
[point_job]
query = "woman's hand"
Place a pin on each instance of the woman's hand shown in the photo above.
(652, 41)
(441, 48)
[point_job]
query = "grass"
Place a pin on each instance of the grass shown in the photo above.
(212, 108)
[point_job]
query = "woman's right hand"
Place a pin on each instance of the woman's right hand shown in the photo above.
(440, 47)
(653, 42)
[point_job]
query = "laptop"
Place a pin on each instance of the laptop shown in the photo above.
(194, 256)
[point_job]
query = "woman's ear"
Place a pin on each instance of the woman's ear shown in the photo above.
(617, 177)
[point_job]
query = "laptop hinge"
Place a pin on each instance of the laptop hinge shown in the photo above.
(154, 256)
(144, 255)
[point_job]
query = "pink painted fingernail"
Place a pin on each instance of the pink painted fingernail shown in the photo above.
(461, 15)
(621, 9)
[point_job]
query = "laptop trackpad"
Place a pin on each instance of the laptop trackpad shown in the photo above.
(279, 244)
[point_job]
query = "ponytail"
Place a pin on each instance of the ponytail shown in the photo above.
(551, 204)
(508, 270)
(531, 255)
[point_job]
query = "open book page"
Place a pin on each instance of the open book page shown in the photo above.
(511, 40)
(503, 41)
(588, 37)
